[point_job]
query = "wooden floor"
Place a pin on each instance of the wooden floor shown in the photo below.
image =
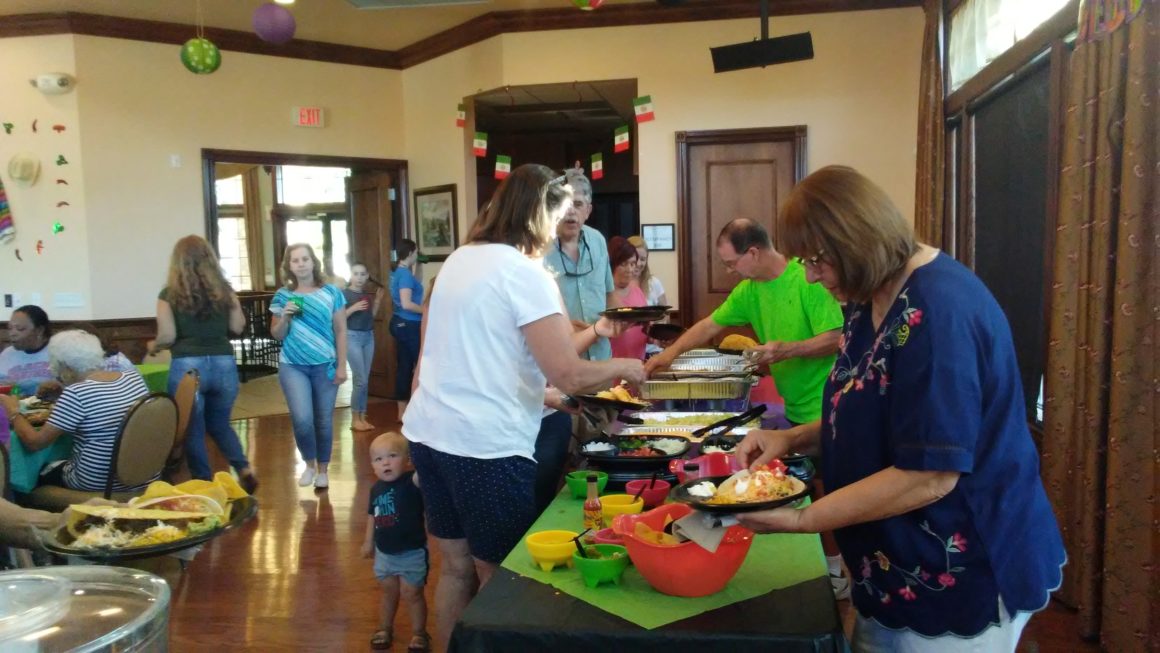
(293, 580)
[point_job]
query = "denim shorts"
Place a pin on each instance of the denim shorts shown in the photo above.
(489, 502)
(411, 565)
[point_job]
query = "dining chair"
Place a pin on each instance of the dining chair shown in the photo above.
(185, 396)
(141, 448)
(3, 472)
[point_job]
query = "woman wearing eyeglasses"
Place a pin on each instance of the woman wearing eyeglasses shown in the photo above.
(494, 336)
(622, 259)
(932, 479)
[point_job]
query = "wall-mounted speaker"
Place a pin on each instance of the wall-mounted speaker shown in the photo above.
(764, 52)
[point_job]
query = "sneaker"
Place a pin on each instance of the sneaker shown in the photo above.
(322, 481)
(841, 586)
(307, 477)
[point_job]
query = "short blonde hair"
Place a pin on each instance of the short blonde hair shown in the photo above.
(392, 441)
(839, 212)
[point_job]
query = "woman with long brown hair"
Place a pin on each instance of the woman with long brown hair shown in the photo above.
(494, 335)
(310, 320)
(197, 311)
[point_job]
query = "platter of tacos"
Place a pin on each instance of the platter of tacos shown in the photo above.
(165, 519)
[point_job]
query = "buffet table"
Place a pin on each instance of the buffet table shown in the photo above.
(780, 599)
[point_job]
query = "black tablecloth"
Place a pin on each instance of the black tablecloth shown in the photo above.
(514, 613)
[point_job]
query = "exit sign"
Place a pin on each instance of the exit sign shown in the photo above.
(308, 116)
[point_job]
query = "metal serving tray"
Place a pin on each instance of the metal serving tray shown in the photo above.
(694, 388)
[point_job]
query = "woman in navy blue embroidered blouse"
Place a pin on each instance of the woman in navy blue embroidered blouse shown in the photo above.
(932, 478)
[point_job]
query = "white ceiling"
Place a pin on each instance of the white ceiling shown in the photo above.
(330, 21)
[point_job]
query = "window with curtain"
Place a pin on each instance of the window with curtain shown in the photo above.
(981, 30)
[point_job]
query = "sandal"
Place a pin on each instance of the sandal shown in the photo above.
(420, 643)
(381, 640)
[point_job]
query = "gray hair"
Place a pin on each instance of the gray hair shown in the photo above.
(579, 183)
(77, 350)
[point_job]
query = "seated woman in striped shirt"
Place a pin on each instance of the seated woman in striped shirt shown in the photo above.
(91, 407)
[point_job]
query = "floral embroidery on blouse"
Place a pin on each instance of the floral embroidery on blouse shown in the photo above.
(870, 367)
(916, 579)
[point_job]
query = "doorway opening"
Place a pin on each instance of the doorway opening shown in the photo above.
(557, 125)
(347, 209)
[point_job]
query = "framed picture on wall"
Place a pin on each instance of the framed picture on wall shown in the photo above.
(658, 237)
(436, 223)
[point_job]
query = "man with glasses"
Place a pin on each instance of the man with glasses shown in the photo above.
(798, 323)
(578, 259)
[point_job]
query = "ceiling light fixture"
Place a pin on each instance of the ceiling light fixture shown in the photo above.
(284, 2)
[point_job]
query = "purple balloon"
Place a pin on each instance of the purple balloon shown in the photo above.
(274, 23)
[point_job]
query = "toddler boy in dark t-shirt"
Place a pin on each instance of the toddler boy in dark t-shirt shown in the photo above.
(397, 539)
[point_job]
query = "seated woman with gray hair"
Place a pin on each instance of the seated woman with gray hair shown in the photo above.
(91, 408)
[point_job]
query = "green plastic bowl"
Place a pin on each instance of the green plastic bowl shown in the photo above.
(578, 482)
(604, 569)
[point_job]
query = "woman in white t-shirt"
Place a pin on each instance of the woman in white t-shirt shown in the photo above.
(494, 336)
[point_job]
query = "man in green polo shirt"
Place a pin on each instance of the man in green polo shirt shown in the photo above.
(798, 323)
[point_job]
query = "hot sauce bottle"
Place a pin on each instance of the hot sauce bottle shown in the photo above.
(593, 511)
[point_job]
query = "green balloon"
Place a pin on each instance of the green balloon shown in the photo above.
(200, 56)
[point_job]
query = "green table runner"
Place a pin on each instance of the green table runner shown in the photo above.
(773, 562)
(156, 376)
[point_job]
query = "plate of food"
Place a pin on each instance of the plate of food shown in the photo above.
(166, 519)
(637, 313)
(617, 397)
(634, 451)
(35, 410)
(745, 491)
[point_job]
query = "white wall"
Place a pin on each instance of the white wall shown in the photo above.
(858, 97)
(63, 264)
(138, 108)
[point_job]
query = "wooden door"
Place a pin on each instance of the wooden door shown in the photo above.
(372, 229)
(724, 175)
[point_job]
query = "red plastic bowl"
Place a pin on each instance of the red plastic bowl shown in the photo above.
(653, 496)
(607, 536)
(712, 464)
(686, 569)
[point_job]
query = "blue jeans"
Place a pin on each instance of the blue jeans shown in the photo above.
(310, 394)
(406, 332)
(216, 391)
(360, 351)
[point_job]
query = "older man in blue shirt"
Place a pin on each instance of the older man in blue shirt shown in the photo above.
(578, 259)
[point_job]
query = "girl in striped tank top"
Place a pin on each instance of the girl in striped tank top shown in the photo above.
(310, 320)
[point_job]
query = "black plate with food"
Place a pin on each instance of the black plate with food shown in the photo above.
(681, 493)
(607, 402)
(61, 541)
(634, 452)
(637, 313)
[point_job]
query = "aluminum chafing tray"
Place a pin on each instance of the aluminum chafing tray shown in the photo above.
(661, 419)
(698, 388)
(700, 353)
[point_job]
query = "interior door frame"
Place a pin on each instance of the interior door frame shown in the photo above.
(210, 157)
(794, 135)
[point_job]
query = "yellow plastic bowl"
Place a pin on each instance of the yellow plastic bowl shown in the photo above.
(551, 548)
(620, 504)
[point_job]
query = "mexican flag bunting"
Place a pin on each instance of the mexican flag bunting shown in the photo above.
(620, 142)
(503, 166)
(461, 116)
(598, 166)
(643, 107)
(479, 145)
